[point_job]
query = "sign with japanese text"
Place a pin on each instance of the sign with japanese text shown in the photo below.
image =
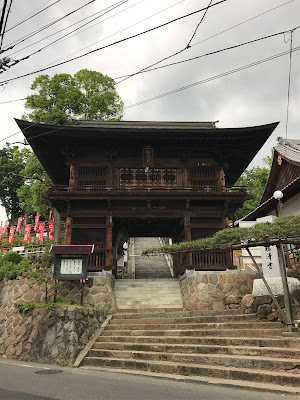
(148, 157)
(27, 233)
(50, 230)
(70, 266)
(41, 231)
(36, 222)
(11, 234)
(19, 224)
(5, 226)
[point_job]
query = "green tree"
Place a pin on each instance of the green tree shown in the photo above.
(35, 185)
(255, 180)
(12, 162)
(64, 99)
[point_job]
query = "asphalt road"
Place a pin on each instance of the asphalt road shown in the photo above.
(20, 381)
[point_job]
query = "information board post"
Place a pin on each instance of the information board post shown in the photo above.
(71, 263)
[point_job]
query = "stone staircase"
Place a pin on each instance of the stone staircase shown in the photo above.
(220, 347)
(148, 294)
(149, 267)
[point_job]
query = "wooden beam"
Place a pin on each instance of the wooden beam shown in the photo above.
(68, 233)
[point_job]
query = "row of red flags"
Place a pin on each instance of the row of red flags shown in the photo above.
(39, 227)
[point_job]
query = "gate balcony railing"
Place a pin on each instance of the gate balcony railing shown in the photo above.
(205, 260)
(58, 189)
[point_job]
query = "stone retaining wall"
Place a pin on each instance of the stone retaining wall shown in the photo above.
(59, 337)
(215, 290)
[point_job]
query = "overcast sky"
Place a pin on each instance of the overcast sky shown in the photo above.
(253, 96)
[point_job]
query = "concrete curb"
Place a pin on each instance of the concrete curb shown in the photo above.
(238, 384)
(91, 343)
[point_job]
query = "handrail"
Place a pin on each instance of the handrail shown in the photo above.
(140, 188)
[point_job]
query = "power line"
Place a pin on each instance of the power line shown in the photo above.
(128, 27)
(207, 54)
(258, 62)
(289, 83)
(114, 43)
(59, 40)
(27, 19)
(11, 101)
(18, 41)
(5, 23)
(196, 57)
(189, 43)
(32, 16)
(212, 78)
(68, 27)
(171, 55)
(2, 17)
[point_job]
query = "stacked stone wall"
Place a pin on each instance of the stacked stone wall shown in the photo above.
(57, 337)
(215, 291)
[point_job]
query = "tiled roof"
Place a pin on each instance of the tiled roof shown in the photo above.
(289, 148)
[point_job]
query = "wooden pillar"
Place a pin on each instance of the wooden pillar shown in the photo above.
(109, 176)
(68, 234)
(188, 237)
(108, 255)
(72, 178)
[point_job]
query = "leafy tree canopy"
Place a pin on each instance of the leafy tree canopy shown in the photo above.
(287, 226)
(61, 100)
(255, 180)
(35, 184)
(12, 162)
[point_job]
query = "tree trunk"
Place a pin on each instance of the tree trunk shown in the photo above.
(57, 226)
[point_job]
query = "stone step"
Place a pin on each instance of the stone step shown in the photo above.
(217, 371)
(177, 312)
(184, 320)
(196, 332)
(253, 351)
(239, 361)
(197, 325)
(256, 341)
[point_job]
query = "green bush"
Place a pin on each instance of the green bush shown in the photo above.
(26, 307)
(11, 256)
(12, 265)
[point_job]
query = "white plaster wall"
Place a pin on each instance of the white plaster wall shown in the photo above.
(290, 207)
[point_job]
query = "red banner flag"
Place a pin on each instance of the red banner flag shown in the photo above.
(11, 234)
(5, 226)
(36, 222)
(27, 233)
(50, 214)
(41, 231)
(25, 219)
(50, 229)
(19, 224)
(1, 228)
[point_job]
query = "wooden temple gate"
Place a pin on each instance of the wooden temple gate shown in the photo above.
(150, 178)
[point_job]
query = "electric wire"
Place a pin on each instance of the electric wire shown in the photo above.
(31, 34)
(114, 43)
(5, 23)
(124, 29)
(207, 54)
(32, 16)
(11, 101)
(193, 35)
(255, 63)
(32, 12)
(59, 40)
(2, 17)
(212, 78)
(63, 29)
(289, 84)
(171, 55)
